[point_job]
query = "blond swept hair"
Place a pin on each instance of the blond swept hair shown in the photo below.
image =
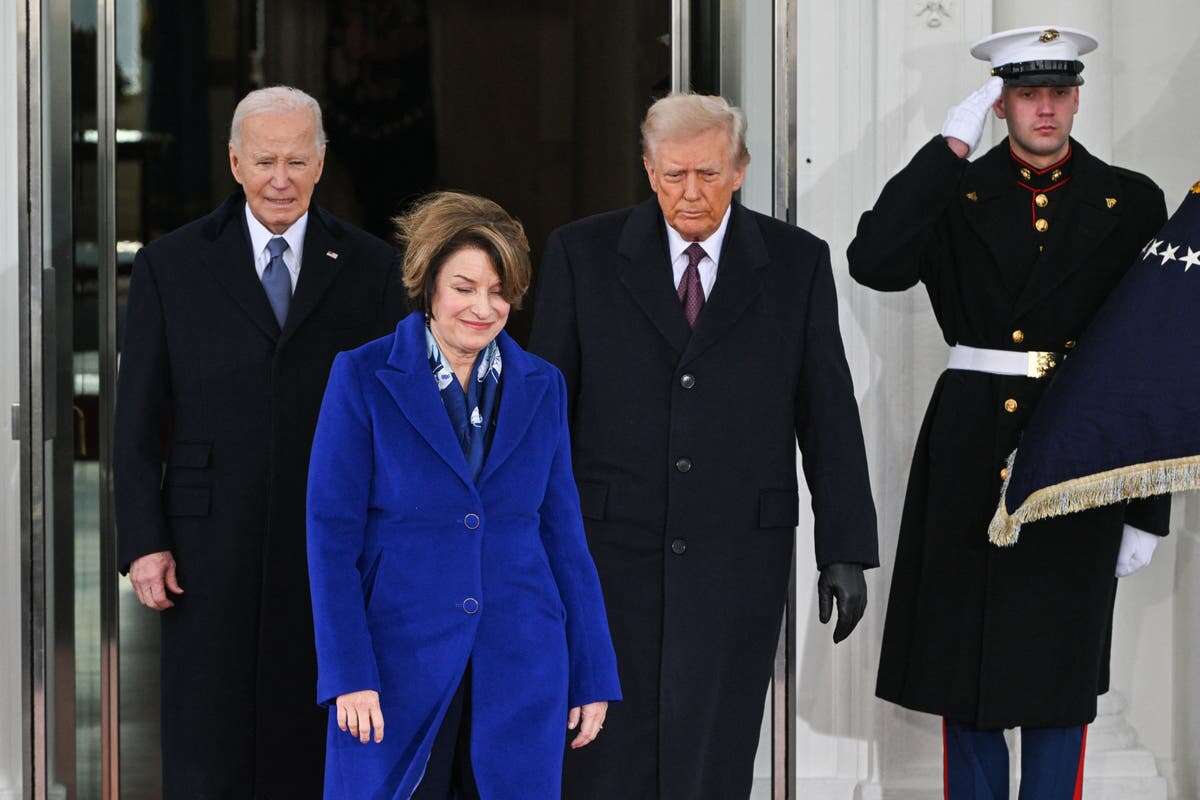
(681, 115)
(442, 223)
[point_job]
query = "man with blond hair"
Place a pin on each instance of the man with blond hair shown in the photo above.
(700, 343)
(232, 323)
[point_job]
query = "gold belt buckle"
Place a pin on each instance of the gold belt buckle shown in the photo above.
(1039, 363)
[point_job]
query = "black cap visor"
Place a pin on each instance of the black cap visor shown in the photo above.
(1041, 73)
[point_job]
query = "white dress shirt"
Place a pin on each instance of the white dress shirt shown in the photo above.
(707, 265)
(292, 257)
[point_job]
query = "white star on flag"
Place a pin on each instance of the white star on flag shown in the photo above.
(1168, 254)
(1151, 249)
(1192, 259)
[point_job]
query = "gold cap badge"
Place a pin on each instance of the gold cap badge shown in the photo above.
(1048, 35)
(1196, 187)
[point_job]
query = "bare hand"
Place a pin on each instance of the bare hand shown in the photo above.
(358, 713)
(593, 715)
(151, 577)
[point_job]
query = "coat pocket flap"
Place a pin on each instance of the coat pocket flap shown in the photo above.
(186, 501)
(194, 455)
(593, 496)
(778, 508)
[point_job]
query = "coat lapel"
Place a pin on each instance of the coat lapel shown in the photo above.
(986, 180)
(409, 380)
(520, 395)
(322, 237)
(1087, 221)
(743, 254)
(232, 264)
(645, 270)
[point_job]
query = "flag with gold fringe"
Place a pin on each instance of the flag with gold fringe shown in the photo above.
(1121, 418)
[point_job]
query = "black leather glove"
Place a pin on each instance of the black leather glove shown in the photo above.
(844, 582)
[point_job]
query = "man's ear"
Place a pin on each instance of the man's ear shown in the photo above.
(650, 174)
(998, 107)
(234, 163)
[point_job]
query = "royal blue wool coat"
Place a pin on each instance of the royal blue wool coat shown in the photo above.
(416, 569)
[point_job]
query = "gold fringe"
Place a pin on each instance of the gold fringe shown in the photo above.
(1092, 491)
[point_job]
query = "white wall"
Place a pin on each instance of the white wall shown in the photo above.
(11, 724)
(875, 78)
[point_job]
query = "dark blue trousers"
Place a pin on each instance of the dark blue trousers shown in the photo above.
(976, 763)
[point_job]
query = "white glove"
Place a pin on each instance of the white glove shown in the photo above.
(1137, 548)
(965, 121)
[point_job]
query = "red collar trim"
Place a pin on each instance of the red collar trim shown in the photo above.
(1050, 188)
(1040, 170)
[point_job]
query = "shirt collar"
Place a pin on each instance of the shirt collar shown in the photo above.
(711, 245)
(259, 235)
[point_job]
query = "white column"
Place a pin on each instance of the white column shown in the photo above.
(875, 78)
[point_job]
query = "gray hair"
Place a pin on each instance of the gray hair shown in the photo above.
(684, 114)
(275, 100)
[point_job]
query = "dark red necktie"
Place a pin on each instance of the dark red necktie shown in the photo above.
(691, 293)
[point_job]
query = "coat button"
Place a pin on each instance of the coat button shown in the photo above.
(1041, 200)
(1018, 336)
(471, 521)
(470, 605)
(679, 547)
(1042, 225)
(1010, 405)
(687, 381)
(684, 465)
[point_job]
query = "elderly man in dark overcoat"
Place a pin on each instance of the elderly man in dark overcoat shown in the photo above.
(233, 321)
(700, 343)
(1017, 251)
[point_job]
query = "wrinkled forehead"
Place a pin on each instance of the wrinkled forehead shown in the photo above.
(292, 131)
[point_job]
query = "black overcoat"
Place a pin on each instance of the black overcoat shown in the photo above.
(989, 636)
(206, 371)
(685, 454)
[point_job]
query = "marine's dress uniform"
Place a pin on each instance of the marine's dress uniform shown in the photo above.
(1018, 259)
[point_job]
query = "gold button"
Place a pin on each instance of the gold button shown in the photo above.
(1010, 405)
(1026, 174)
(1041, 200)
(1042, 226)
(1069, 344)
(1041, 248)
(1004, 473)
(1018, 336)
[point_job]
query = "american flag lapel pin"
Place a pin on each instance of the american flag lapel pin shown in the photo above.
(331, 254)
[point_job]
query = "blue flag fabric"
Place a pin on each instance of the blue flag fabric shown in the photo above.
(1121, 419)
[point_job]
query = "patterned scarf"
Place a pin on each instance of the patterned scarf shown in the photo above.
(472, 412)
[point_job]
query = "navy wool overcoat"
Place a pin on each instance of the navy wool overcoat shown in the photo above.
(417, 570)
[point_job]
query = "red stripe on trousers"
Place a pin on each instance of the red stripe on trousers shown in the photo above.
(945, 761)
(1079, 774)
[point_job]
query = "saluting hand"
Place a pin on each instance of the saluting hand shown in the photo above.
(358, 713)
(152, 576)
(592, 716)
(964, 123)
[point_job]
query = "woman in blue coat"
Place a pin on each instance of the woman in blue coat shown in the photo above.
(460, 626)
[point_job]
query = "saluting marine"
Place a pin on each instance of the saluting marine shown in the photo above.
(1017, 251)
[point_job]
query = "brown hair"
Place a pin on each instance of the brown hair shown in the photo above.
(442, 223)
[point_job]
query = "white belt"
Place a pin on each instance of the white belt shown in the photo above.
(1032, 364)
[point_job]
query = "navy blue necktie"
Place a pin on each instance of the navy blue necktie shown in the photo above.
(276, 280)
